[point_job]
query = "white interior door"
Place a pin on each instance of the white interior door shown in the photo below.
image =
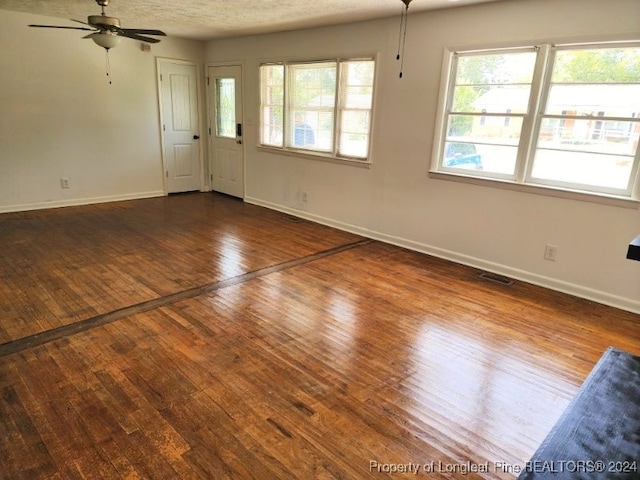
(227, 152)
(181, 126)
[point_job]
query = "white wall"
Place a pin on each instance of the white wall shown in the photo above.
(59, 117)
(395, 200)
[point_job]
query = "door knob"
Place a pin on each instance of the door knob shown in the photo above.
(196, 137)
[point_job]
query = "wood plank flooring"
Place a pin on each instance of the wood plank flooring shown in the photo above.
(246, 345)
(78, 262)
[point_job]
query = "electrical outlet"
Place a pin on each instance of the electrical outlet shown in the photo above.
(551, 252)
(64, 182)
(305, 197)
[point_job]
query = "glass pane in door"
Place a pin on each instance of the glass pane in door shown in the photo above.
(226, 107)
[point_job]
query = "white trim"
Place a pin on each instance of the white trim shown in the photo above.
(80, 201)
(290, 152)
(604, 298)
(527, 150)
(443, 95)
(579, 41)
(539, 189)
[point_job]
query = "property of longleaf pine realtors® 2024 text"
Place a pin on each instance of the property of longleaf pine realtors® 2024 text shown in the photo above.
(441, 467)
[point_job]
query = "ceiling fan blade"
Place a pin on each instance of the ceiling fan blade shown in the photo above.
(80, 21)
(143, 32)
(124, 33)
(56, 26)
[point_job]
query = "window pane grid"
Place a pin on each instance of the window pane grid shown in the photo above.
(489, 100)
(597, 65)
(272, 112)
(500, 99)
(584, 138)
(326, 107)
(312, 104)
(594, 100)
(312, 130)
(356, 99)
(588, 134)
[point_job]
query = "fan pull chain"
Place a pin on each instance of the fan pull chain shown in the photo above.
(108, 64)
(402, 37)
(400, 32)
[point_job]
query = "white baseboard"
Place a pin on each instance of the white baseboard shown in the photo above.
(79, 201)
(581, 291)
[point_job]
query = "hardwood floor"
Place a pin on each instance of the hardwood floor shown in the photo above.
(196, 336)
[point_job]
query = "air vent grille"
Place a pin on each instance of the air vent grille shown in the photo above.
(495, 278)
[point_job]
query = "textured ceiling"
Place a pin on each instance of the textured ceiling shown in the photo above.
(209, 19)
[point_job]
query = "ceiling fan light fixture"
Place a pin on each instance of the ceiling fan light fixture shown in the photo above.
(105, 39)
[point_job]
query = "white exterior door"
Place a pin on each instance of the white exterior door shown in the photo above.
(227, 153)
(181, 126)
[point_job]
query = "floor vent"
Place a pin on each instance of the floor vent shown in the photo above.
(495, 278)
(293, 219)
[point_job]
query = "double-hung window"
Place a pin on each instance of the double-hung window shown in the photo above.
(564, 117)
(321, 108)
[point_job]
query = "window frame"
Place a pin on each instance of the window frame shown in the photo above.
(334, 153)
(523, 178)
(263, 103)
(289, 106)
(483, 115)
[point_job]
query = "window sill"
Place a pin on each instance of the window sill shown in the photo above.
(602, 199)
(317, 156)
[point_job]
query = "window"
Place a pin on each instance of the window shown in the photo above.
(557, 116)
(312, 102)
(272, 104)
(588, 133)
(323, 108)
(226, 107)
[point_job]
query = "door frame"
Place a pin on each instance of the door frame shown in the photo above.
(210, 125)
(159, 62)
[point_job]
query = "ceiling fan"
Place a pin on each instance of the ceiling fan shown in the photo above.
(107, 31)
